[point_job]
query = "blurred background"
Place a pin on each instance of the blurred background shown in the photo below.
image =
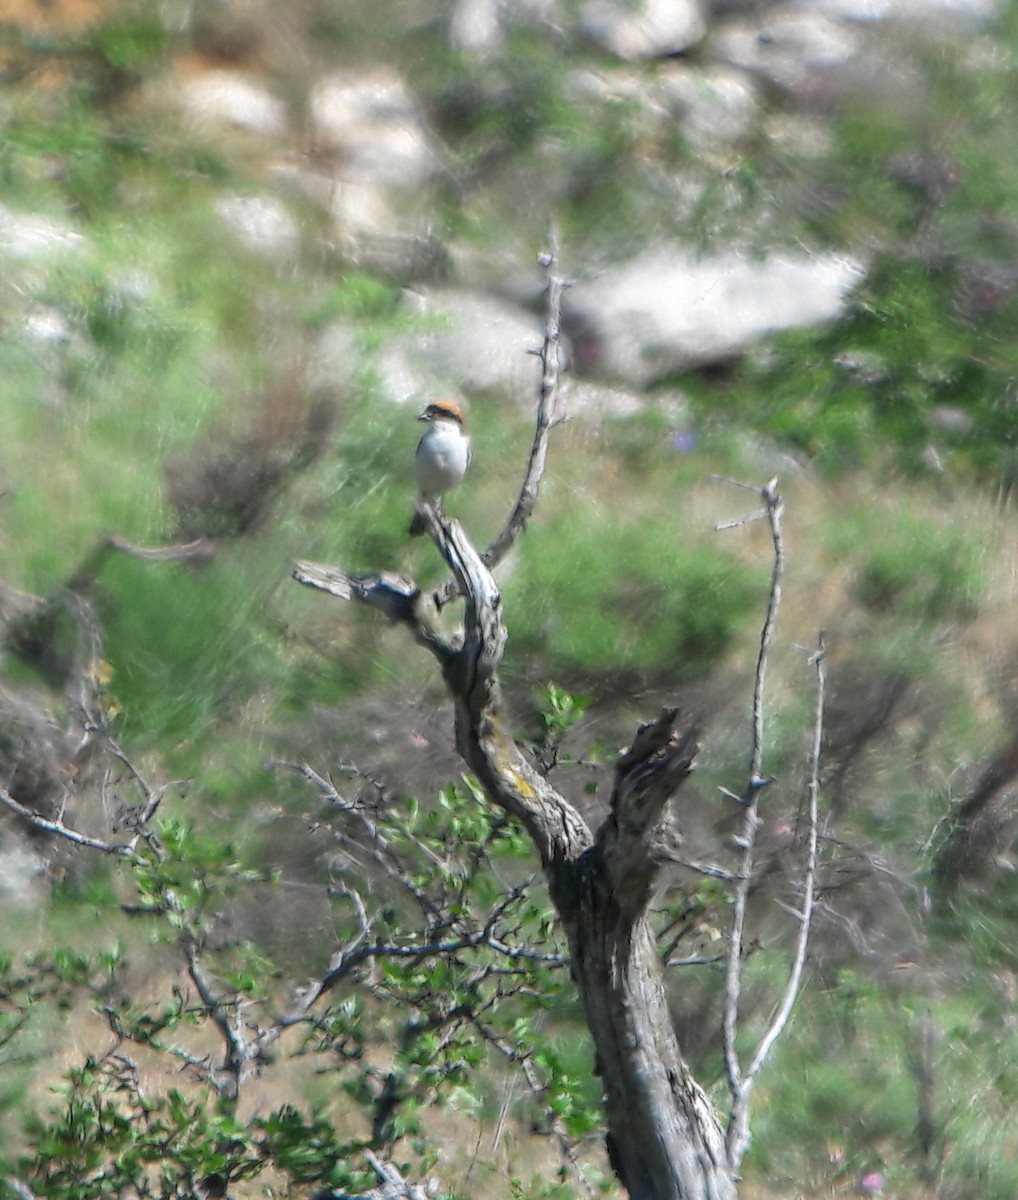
(243, 242)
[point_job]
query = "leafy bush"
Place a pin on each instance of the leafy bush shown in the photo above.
(444, 1018)
(914, 569)
(595, 597)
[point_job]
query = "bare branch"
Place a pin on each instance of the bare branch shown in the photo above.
(547, 418)
(710, 870)
(394, 596)
(738, 1137)
(809, 873)
(378, 846)
(199, 550)
(153, 796)
(346, 960)
(736, 483)
(224, 1013)
(695, 961)
(121, 849)
(647, 774)
(393, 1186)
(774, 507)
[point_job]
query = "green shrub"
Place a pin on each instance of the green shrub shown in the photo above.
(840, 1098)
(186, 645)
(918, 570)
(593, 597)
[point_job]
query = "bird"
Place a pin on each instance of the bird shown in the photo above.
(442, 457)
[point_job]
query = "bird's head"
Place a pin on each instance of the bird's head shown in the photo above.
(444, 410)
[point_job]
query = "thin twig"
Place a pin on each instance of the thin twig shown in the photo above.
(738, 1129)
(201, 548)
(709, 869)
(738, 483)
(550, 355)
(121, 849)
(774, 506)
(378, 849)
(695, 961)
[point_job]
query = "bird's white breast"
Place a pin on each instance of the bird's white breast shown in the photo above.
(442, 458)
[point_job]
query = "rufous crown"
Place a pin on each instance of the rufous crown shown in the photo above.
(447, 409)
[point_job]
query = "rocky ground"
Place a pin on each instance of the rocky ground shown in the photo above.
(345, 162)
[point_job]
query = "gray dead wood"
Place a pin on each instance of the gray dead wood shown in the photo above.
(664, 1137)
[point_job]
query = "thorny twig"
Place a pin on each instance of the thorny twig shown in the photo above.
(548, 417)
(773, 510)
(738, 1136)
(525, 1062)
(740, 1081)
(59, 829)
(378, 848)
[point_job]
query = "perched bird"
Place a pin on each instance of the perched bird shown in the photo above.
(442, 458)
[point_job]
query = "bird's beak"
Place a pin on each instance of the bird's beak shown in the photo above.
(424, 416)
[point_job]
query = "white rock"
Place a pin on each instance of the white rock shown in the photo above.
(946, 13)
(861, 11)
(52, 341)
(337, 358)
(373, 122)
(586, 398)
(665, 311)
(133, 286)
(475, 27)
(22, 875)
(372, 226)
(225, 97)
(715, 104)
(478, 344)
(800, 133)
(787, 45)
(647, 29)
(47, 327)
(361, 210)
(26, 236)
(358, 210)
(262, 223)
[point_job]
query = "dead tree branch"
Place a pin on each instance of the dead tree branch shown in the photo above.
(738, 1134)
(548, 417)
(959, 853)
(664, 1139)
(120, 849)
(772, 512)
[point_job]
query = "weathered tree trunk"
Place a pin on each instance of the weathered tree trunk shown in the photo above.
(664, 1138)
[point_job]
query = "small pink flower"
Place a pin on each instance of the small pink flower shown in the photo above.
(871, 1184)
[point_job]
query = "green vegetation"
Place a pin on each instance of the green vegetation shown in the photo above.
(910, 568)
(169, 407)
(599, 597)
(920, 371)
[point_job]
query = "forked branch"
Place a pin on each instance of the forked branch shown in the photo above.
(741, 1081)
(548, 417)
(772, 512)
(665, 1140)
(738, 1134)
